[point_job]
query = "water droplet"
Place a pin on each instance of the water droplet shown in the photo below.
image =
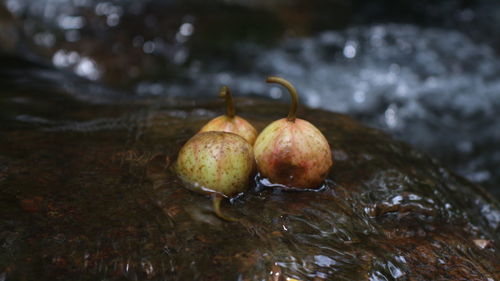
(148, 47)
(62, 58)
(87, 68)
(359, 96)
(350, 49)
(186, 29)
(113, 19)
(71, 22)
(276, 93)
(15, 6)
(391, 116)
(103, 8)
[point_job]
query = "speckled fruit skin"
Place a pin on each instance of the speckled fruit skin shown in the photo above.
(236, 125)
(218, 162)
(294, 154)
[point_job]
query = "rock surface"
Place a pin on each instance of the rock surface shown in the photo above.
(87, 193)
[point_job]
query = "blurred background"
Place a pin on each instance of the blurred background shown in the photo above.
(427, 72)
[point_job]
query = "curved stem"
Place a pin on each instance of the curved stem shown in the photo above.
(225, 93)
(292, 114)
(216, 200)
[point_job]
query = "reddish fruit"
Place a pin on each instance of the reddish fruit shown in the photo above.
(216, 163)
(230, 122)
(291, 151)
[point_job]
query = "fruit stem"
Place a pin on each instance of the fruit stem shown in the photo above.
(216, 200)
(225, 93)
(292, 114)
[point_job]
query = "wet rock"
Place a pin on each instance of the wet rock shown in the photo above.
(31, 204)
(115, 210)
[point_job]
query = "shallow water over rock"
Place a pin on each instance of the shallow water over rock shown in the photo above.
(86, 190)
(87, 193)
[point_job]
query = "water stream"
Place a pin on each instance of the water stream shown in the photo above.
(97, 97)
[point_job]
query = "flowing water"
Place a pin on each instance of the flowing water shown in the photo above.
(97, 97)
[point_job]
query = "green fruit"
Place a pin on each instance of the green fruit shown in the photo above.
(230, 122)
(291, 151)
(216, 163)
